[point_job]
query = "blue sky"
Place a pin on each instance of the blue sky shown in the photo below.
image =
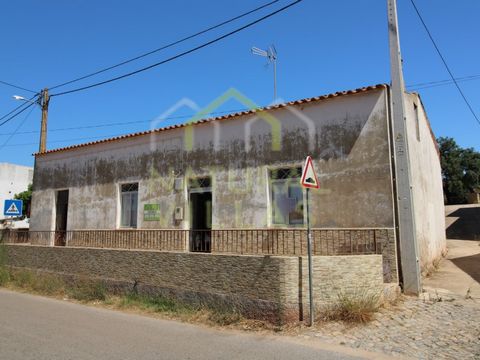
(323, 47)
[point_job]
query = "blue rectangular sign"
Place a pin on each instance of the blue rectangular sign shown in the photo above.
(13, 208)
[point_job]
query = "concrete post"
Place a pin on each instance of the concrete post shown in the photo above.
(410, 269)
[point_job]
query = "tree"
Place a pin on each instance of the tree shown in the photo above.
(26, 197)
(460, 170)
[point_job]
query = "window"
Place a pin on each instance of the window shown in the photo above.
(129, 205)
(287, 196)
(200, 182)
(417, 121)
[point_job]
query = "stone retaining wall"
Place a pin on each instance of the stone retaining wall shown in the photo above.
(259, 286)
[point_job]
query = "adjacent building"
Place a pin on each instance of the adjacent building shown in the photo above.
(14, 179)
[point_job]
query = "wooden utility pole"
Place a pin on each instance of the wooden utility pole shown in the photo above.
(45, 98)
(406, 231)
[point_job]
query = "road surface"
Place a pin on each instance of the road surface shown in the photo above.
(34, 327)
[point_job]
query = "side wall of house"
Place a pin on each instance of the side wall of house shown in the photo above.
(427, 185)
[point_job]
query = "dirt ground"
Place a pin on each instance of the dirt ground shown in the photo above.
(459, 272)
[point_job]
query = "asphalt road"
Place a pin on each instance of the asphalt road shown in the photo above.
(33, 327)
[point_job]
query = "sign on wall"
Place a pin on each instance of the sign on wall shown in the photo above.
(13, 208)
(151, 212)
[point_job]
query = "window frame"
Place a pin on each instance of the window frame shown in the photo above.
(271, 198)
(120, 205)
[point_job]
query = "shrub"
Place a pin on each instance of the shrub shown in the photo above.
(357, 305)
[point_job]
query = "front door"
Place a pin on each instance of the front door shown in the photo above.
(200, 199)
(61, 218)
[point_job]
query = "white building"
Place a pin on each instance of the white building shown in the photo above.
(13, 180)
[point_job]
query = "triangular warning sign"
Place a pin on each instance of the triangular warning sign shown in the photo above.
(13, 209)
(309, 178)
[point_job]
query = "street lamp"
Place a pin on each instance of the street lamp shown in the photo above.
(21, 98)
(271, 55)
(42, 101)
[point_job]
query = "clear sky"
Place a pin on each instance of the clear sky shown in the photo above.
(323, 47)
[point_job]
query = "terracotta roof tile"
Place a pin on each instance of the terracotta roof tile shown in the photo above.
(223, 117)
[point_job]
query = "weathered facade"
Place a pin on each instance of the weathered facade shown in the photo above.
(241, 172)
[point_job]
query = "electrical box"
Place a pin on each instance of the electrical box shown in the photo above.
(178, 184)
(178, 213)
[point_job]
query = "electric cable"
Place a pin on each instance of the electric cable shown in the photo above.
(445, 62)
(16, 86)
(18, 128)
(182, 53)
(18, 113)
(168, 45)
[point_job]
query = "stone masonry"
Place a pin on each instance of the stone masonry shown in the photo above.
(254, 284)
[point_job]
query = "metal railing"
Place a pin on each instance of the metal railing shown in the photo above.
(226, 241)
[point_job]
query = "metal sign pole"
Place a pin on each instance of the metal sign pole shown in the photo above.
(309, 249)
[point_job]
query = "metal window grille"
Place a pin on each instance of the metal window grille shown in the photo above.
(129, 205)
(287, 196)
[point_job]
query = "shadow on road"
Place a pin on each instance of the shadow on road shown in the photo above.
(467, 227)
(469, 265)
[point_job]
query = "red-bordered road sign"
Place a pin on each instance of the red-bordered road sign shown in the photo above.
(309, 178)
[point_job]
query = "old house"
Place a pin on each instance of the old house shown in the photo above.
(230, 184)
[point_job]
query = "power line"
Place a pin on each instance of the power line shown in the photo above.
(18, 107)
(445, 63)
(16, 130)
(182, 53)
(427, 85)
(72, 139)
(168, 45)
(123, 123)
(17, 87)
(16, 114)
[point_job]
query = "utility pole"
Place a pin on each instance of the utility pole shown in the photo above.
(410, 268)
(44, 100)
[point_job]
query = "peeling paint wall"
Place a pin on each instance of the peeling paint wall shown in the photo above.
(427, 188)
(347, 136)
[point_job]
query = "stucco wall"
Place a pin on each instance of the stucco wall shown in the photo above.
(270, 283)
(427, 188)
(347, 136)
(13, 180)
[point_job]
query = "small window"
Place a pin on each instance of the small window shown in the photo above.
(129, 205)
(287, 196)
(201, 182)
(417, 121)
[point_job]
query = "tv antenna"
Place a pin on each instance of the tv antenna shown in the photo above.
(271, 55)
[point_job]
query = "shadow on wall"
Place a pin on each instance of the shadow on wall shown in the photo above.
(467, 226)
(469, 265)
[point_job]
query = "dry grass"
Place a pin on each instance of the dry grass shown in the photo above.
(357, 305)
(95, 293)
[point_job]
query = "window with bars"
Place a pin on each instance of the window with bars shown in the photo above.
(200, 182)
(287, 196)
(129, 205)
